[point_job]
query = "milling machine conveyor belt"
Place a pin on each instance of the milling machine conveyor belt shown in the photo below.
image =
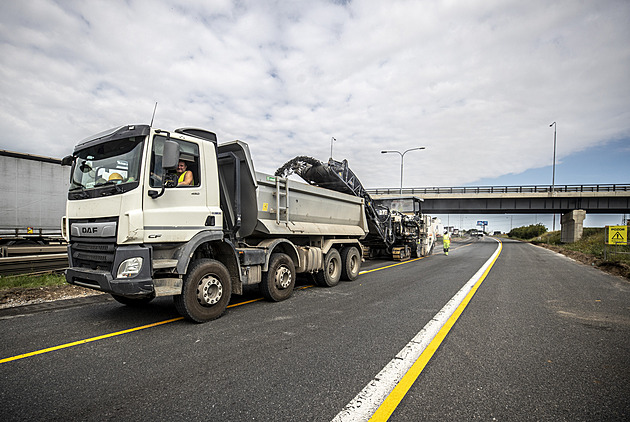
(337, 176)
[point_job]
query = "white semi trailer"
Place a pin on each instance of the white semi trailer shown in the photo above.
(33, 189)
(134, 233)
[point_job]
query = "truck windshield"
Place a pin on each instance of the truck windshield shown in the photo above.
(109, 168)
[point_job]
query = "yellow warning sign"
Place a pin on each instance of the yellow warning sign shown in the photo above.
(617, 235)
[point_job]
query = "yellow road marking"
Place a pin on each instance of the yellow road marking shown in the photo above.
(104, 336)
(244, 303)
(390, 266)
(394, 398)
(87, 340)
(131, 330)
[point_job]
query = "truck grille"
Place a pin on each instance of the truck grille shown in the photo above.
(95, 253)
(96, 256)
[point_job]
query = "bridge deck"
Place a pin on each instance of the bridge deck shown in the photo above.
(605, 199)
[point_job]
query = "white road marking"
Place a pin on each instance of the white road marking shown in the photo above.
(364, 404)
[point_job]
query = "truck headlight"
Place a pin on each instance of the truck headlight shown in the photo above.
(129, 268)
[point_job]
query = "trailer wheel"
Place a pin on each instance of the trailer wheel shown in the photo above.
(351, 263)
(206, 291)
(133, 301)
(278, 283)
(331, 273)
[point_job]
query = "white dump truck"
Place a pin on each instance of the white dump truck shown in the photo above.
(135, 231)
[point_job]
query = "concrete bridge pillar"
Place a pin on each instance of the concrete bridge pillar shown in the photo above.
(572, 226)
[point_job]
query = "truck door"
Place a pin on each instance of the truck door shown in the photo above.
(181, 211)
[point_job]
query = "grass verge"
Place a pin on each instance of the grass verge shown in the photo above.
(590, 250)
(32, 281)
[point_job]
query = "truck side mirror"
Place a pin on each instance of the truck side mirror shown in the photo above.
(170, 160)
(67, 160)
(170, 156)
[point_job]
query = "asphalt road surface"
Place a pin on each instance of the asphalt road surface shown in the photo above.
(543, 338)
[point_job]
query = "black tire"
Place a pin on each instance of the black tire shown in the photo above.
(331, 273)
(417, 251)
(311, 278)
(277, 284)
(406, 253)
(22, 242)
(206, 292)
(350, 263)
(129, 301)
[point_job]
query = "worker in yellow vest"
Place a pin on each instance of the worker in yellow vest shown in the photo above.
(446, 242)
(185, 177)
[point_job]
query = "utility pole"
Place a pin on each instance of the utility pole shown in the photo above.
(553, 176)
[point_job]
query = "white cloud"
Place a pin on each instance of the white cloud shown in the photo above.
(472, 81)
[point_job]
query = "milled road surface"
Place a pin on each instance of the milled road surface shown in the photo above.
(544, 338)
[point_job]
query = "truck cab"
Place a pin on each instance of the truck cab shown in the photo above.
(127, 220)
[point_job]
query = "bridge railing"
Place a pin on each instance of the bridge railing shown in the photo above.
(501, 189)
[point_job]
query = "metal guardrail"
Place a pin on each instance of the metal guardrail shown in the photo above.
(33, 263)
(501, 189)
(32, 259)
(31, 250)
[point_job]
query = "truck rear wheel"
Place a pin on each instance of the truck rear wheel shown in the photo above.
(206, 291)
(278, 283)
(331, 273)
(351, 263)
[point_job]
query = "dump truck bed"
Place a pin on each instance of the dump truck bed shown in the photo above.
(291, 208)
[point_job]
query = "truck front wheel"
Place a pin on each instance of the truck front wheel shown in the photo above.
(206, 291)
(278, 283)
(331, 273)
(351, 263)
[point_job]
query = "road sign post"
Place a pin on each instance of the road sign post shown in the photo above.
(615, 235)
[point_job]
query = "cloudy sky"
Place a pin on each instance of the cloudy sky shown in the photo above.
(475, 82)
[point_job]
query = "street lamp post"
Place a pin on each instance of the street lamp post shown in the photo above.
(553, 174)
(402, 157)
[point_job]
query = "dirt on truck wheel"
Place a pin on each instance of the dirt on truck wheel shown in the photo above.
(351, 263)
(206, 292)
(278, 283)
(330, 275)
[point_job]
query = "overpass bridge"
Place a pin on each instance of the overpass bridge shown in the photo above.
(572, 201)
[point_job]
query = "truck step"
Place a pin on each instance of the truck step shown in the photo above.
(164, 263)
(167, 286)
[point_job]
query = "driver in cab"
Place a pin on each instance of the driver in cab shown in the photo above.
(184, 176)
